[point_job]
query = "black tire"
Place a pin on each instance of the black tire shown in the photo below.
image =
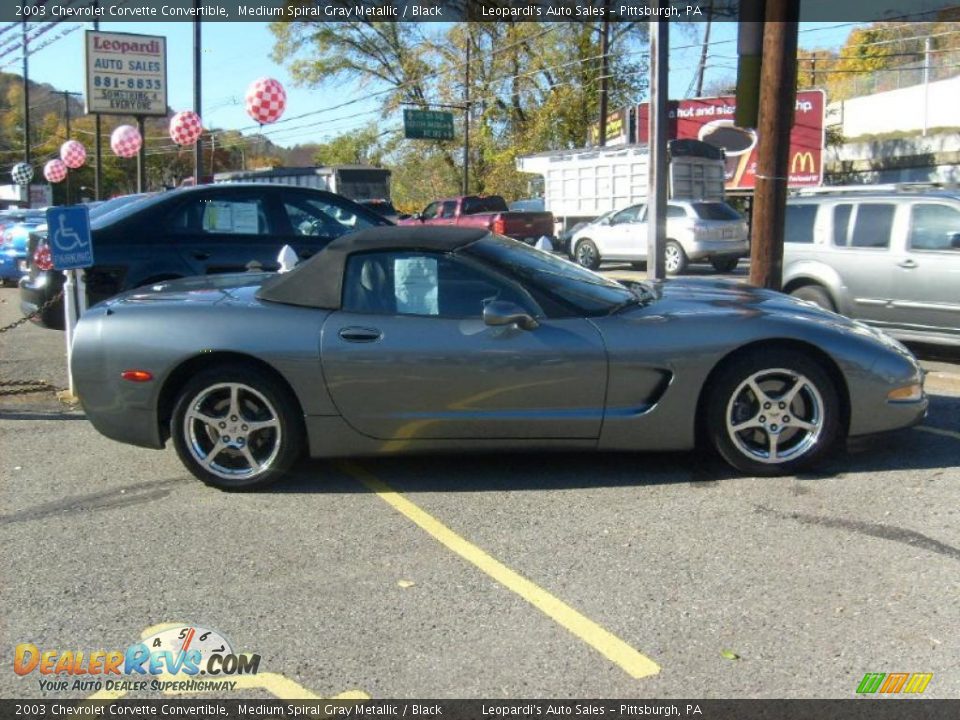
(260, 399)
(676, 259)
(587, 255)
(775, 371)
(725, 265)
(815, 294)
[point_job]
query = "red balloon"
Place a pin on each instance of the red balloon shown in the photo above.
(55, 171)
(266, 100)
(186, 127)
(126, 141)
(73, 154)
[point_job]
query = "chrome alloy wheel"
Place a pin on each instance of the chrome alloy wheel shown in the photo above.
(232, 430)
(775, 416)
(672, 261)
(586, 255)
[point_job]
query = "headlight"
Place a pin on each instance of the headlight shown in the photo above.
(907, 393)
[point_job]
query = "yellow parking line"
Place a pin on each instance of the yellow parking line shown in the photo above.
(607, 644)
(939, 431)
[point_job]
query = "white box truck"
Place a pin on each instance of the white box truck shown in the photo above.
(357, 182)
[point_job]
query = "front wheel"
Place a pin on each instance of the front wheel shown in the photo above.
(773, 412)
(237, 429)
(587, 255)
(675, 259)
(724, 265)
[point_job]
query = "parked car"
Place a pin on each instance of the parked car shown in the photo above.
(15, 228)
(489, 212)
(455, 339)
(889, 258)
(197, 231)
(696, 232)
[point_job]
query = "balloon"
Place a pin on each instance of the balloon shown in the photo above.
(73, 153)
(55, 170)
(126, 141)
(186, 127)
(22, 173)
(266, 100)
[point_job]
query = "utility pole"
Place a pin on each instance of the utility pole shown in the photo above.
(142, 157)
(927, 48)
(98, 147)
(26, 99)
(466, 121)
(604, 71)
(778, 81)
(704, 50)
(657, 175)
(198, 148)
(66, 122)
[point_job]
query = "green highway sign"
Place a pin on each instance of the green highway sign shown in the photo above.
(427, 125)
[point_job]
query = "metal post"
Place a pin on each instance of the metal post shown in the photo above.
(657, 176)
(66, 117)
(604, 71)
(98, 146)
(197, 75)
(142, 158)
(70, 319)
(926, 85)
(778, 82)
(701, 71)
(466, 122)
(26, 99)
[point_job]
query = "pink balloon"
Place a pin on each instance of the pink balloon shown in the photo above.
(126, 141)
(186, 127)
(73, 154)
(266, 100)
(55, 171)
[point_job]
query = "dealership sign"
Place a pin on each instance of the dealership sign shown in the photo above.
(711, 120)
(126, 74)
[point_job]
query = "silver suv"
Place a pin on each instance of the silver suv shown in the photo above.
(889, 257)
(696, 231)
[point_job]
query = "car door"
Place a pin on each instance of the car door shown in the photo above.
(862, 255)
(410, 357)
(225, 230)
(619, 238)
(926, 273)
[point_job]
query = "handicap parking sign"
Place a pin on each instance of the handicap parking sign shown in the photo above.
(68, 234)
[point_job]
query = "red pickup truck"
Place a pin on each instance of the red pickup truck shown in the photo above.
(488, 211)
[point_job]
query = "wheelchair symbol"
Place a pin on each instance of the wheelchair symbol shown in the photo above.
(66, 238)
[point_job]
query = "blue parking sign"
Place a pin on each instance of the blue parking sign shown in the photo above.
(68, 234)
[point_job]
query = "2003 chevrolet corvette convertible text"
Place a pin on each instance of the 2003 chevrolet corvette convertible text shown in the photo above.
(395, 340)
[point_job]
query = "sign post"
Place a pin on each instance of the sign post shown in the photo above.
(71, 249)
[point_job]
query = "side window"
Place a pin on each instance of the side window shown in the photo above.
(676, 211)
(431, 211)
(315, 217)
(220, 216)
(841, 224)
(799, 224)
(934, 227)
(872, 226)
(449, 209)
(628, 215)
(410, 283)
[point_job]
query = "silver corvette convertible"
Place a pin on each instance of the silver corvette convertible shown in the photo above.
(401, 340)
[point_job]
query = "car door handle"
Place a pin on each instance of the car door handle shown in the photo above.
(201, 255)
(908, 264)
(360, 334)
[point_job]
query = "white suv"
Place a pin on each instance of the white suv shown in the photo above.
(696, 231)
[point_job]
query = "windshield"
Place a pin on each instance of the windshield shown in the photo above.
(715, 211)
(575, 285)
(107, 206)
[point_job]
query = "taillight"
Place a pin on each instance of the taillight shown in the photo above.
(499, 226)
(41, 257)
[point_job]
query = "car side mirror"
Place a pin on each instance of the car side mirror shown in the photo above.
(502, 312)
(955, 240)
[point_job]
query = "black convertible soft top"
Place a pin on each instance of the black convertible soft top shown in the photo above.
(318, 281)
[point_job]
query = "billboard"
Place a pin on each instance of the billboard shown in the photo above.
(126, 73)
(619, 130)
(711, 120)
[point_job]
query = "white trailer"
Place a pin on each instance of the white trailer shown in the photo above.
(580, 185)
(357, 182)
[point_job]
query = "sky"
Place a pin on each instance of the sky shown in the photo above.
(236, 54)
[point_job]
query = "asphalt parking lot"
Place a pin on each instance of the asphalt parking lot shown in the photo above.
(571, 575)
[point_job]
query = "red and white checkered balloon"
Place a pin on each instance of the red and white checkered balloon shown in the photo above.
(55, 171)
(186, 127)
(73, 154)
(266, 100)
(126, 141)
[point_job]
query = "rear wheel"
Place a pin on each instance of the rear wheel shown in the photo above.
(724, 265)
(237, 429)
(773, 412)
(815, 294)
(675, 259)
(587, 255)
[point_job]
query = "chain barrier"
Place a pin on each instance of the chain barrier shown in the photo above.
(27, 387)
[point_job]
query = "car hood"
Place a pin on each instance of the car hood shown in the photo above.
(203, 289)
